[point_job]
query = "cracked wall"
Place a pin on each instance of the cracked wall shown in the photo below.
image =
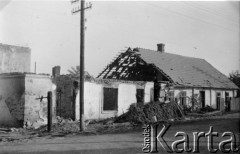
(35, 113)
(18, 104)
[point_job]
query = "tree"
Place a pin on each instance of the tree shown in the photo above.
(74, 72)
(235, 78)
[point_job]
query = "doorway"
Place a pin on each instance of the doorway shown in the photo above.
(202, 98)
(140, 97)
(218, 100)
(227, 102)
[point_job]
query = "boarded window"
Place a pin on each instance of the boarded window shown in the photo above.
(140, 96)
(110, 99)
(183, 98)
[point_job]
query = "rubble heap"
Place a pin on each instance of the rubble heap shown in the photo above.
(151, 112)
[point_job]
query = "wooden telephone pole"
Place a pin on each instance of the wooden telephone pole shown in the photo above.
(82, 41)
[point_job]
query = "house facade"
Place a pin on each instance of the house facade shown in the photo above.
(192, 82)
(103, 98)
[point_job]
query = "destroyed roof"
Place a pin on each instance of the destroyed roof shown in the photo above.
(186, 71)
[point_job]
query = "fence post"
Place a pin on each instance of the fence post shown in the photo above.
(49, 99)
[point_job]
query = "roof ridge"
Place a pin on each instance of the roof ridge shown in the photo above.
(168, 53)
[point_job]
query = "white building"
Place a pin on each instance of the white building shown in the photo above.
(190, 78)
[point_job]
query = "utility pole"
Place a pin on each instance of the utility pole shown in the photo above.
(49, 101)
(35, 67)
(82, 36)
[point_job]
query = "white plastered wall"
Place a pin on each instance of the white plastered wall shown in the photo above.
(126, 97)
(147, 92)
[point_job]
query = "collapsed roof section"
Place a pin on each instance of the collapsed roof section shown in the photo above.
(129, 66)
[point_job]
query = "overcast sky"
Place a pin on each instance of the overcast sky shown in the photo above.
(208, 30)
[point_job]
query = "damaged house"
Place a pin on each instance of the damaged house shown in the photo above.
(192, 82)
(19, 89)
(103, 98)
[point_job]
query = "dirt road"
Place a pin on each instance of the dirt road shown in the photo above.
(119, 143)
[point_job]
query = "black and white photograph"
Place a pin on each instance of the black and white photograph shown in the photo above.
(119, 76)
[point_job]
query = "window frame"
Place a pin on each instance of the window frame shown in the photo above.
(183, 98)
(103, 101)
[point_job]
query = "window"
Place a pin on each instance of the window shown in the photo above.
(110, 99)
(171, 95)
(183, 98)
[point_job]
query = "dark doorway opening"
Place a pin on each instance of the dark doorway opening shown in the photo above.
(140, 97)
(202, 98)
(227, 102)
(157, 89)
(218, 100)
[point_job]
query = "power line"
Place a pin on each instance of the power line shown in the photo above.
(193, 18)
(212, 12)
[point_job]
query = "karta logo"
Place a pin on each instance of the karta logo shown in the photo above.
(151, 140)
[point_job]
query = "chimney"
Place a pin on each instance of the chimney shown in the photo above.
(56, 71)
(160, 47)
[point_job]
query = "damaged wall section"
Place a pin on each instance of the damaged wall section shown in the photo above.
(126, 94)
(65, 96)
(14, 58)
(18, 104)
(103, 98)
(35, 111)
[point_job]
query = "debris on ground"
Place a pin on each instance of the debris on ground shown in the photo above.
(5, 130)
(144, 114)
(63, 126)
(207, 108)
(205, 115)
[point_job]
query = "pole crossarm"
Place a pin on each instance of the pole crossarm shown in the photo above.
(78, 8)
(74, 1)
